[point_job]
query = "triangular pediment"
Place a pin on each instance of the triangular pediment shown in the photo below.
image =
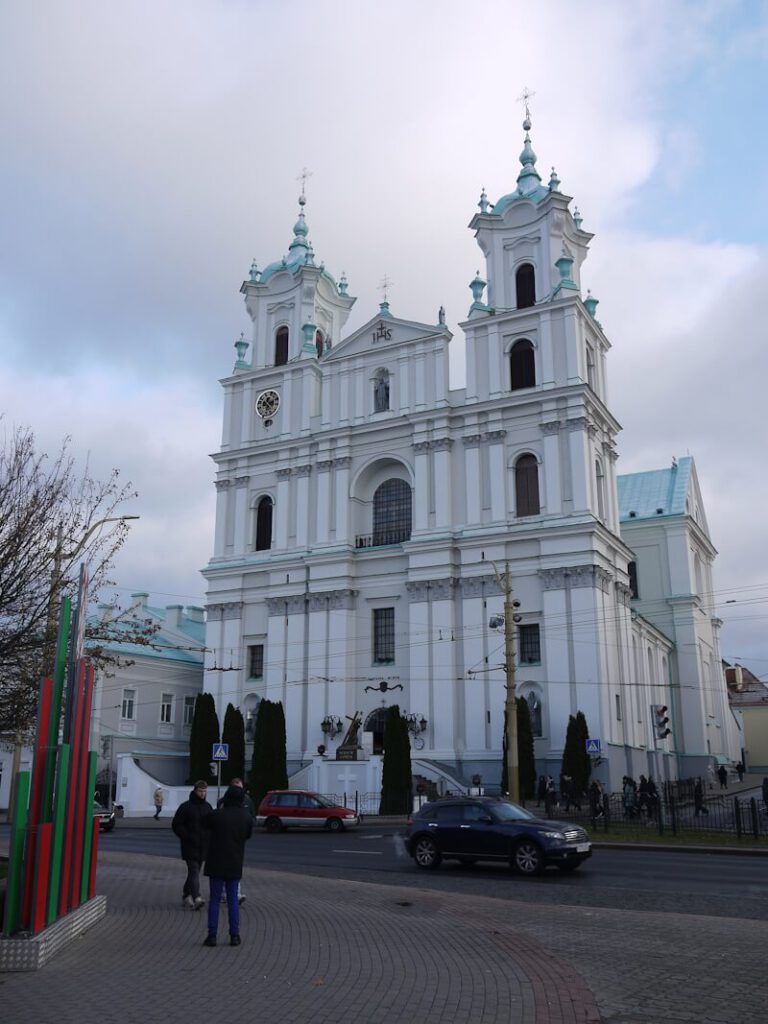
(387, 332)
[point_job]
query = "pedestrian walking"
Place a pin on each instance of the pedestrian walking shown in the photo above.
(188, 826)
(248, 805)
(698, 799)
(596, 806)
(229, 827)
(541, 792)
(629, 796)
(550, 797)
(740, 771)
(722, 775)
(643, 796)
(158, 801)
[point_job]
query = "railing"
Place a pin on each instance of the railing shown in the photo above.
(381, 538)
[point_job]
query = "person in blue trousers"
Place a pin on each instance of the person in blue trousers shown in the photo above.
(229, 828)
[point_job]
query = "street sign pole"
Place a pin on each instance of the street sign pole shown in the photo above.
(218, 782)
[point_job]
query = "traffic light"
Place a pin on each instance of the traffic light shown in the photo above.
(661, 721)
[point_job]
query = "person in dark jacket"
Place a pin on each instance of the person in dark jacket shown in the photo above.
(188, 825)
(229, 827)
(698, 799)
(248, 805)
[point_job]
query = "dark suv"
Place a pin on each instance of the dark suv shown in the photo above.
(482, 828)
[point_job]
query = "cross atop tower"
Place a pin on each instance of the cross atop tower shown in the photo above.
(385, 285)
(523, 98)
(303, 179)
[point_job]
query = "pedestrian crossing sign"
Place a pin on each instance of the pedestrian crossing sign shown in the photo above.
(593, 747)
(220, 751)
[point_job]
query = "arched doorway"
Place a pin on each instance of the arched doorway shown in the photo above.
(375, 723)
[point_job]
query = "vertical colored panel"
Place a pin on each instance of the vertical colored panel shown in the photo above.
(42, 878)
(94, 858)
(14, 889)
(59, 825)
(83, 796)
(59, 674)
(84, 873)
(36, 795)
(71, 831)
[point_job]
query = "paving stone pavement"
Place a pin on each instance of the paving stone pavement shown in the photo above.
(320, 951)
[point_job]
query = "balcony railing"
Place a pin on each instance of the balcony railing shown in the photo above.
(381, 538)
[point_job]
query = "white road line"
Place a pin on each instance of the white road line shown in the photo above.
(363, 853)
(364, 839)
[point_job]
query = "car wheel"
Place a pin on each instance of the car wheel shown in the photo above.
(334, 825)
(527, 858)
(426, 853)
(273, 825)
(467, 862)
(571, 866)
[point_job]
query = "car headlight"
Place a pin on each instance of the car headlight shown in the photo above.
(553, 835)
(349, 815)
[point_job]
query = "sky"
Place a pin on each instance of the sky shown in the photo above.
(151, 150)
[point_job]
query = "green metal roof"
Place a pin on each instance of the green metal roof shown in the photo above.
(659, 492)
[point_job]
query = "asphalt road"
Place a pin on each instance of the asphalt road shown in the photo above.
(720, 885)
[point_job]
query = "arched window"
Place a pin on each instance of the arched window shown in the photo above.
(375, 723)
(381, 391)
(319, 343)
(527, 486)
(264, 524)
(392, 512)
(525, 282)
(281, 346)
(522, 365)
(600, 483)
(632, 570)
(534, 709)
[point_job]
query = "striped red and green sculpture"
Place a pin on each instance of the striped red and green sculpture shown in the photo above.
(54, 835)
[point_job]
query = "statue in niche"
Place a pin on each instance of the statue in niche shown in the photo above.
(381, 392)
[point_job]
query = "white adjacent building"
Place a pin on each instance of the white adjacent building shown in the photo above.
(363, 504)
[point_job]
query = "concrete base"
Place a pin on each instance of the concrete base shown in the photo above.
(25, 952)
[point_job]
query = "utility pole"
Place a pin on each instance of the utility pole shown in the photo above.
(510, 657)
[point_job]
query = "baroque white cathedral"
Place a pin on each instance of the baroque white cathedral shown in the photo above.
(364, 506)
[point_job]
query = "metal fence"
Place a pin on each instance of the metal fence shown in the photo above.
(673, 812)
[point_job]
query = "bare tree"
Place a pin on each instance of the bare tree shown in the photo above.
(52, 519)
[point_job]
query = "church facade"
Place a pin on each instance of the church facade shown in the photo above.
(366, 513)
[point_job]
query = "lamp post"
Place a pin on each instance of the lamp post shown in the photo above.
(510, 618)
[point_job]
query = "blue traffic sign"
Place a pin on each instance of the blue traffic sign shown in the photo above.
(220, 751)
(593, 747)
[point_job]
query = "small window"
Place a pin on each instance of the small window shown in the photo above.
(256, 661)
(632, 571)
(525, 282)
(474, 812)
(600, 483)
(285, 800)
(281, 346)
(189, 710)
(529, 645)
(618, 707)
(319, 343)
(384, 636)
(264, 524)
(591, 367)
(522, 365)
(128, 711)
(448, 812)
(527, 486)
(534, 710)
(381, 391)
(166, 708)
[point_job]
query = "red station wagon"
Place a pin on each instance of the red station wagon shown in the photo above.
(293, 808)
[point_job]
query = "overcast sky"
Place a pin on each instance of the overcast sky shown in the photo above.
(151, 150)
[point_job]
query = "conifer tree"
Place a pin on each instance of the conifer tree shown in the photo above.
(268, 765)
(203, 734)
(396, 781)
(526, 763)
(234, 735)
(576, 760)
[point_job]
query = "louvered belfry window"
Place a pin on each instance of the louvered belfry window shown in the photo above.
(527, 486)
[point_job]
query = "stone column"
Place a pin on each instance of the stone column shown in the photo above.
(322, 531)
(473, 483)
(222, 496)
(302, 474)
(580, 463)
(241, 515)
(552, 485)
(421, 486)
(341, 467)
(443, 482)
(498, 476)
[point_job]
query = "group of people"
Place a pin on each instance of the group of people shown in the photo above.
(214, 840)
(638, 798)
(569, 795)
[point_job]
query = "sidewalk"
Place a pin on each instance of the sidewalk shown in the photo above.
(324, 951)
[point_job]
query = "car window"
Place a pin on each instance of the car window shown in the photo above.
(448, 812)
(309, 801)
(509, 812)
(474, 812)
(287, 800)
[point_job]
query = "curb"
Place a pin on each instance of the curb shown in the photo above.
(742, 851)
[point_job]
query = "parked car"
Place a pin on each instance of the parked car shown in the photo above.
(292, 808)
(105, 815)
(484, 828)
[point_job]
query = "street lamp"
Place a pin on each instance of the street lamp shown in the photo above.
(509, 620)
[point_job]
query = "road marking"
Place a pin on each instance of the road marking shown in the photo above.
(364, 839)
(363, 853)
